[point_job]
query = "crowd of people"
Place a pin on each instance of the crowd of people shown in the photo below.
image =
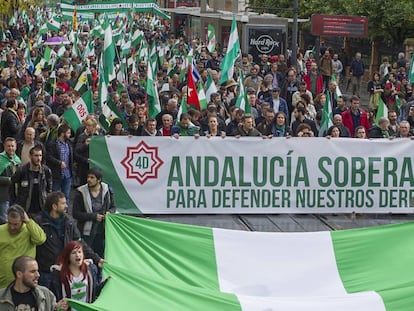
(45, 163)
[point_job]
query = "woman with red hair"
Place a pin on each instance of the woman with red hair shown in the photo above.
(73, 275)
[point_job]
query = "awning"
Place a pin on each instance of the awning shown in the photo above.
(115, 7)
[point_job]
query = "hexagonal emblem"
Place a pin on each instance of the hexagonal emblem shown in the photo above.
(142, 162)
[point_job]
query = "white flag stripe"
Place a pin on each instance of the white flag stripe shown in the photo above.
(285, 264)
(353, 302)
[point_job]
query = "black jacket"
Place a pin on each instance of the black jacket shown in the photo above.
(23, 181)
(47, 253)
(10, 125)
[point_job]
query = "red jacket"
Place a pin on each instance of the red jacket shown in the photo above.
(349, 122)
(319, 83)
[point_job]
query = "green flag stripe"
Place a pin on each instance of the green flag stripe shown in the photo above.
(163, 250)
(98, 146)
(378, 259)
(158, 295)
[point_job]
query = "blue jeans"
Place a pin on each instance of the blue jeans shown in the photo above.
(64, 184)
(4, 206)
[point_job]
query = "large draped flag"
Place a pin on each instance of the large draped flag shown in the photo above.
(79, 111)
(157, 266)
(233, 52)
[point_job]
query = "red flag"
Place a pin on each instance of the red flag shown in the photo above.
(74, 20)
(192, 96)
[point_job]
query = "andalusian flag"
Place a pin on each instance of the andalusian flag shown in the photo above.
(84, 79)
(242, 102)
(211, 38)
(42, 30)
(382, 111)
(79, 111)
(202, 96)
(163, 266)
(53, 24)
(337, 89)
(108, 52)
(326, 121)
(233, 52)
(210, 87)
(137, 38)
(182, 109)
(411, 71)
(98, 32)
(153, 100)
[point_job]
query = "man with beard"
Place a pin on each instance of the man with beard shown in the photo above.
(24, 293)
(18, 237)
(91, 203)
(32, 181)
(60, 228)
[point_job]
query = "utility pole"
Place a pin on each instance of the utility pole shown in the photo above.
(295, 32)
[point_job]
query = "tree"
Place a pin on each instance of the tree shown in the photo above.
(8, 7)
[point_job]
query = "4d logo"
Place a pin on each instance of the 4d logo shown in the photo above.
(142, 162)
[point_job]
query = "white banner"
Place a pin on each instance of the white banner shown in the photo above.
(163, 175)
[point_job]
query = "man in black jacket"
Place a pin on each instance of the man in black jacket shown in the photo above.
(10, 125)
(33, 182)
(60, 228)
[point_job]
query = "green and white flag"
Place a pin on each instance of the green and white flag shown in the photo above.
(102, 87)
(153, 100)
(233, 52)
(61, 51)
(242, 102)
(326, 121)
(79, 111)
(153, 59)
(210, 87)
(143, 51)
(137, 38)
(98, 32)
(202, 96)
(108, 53)
(166, 266)
(411, 71)
(182, 109)
(49, 58)
(53, 24)
(84, 79)
(382, 111)
(109, 109)
(109, 112)
(338, 92)
(211, 38)
(125, 46)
